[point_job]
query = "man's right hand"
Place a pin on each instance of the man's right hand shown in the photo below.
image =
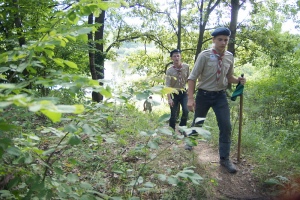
(191, 104)
(171, 103)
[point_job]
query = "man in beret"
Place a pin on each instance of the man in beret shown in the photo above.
(176, 77)
(214, 70)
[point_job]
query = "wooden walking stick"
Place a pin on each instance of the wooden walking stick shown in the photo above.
(240, 126)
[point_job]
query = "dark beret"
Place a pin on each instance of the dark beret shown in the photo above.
(221, 31)
(174, 51)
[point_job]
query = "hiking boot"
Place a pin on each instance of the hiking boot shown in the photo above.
(188, 147)
(228, 165)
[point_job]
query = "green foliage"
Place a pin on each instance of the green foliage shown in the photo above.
(55, 144)
(82, 155)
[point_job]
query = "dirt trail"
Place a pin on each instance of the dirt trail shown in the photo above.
(239, 186)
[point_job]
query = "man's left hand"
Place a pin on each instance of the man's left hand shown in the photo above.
(242, 80)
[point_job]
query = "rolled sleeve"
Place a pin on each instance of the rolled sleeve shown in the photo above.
(168, 80)
(198, 67)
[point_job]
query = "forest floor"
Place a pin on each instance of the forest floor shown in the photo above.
(239, 186)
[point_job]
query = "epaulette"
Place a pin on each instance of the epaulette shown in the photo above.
(228, 52)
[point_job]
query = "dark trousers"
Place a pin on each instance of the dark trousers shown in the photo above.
(180, 98)
(218, 102)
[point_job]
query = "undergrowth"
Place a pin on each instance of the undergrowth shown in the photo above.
(107, 152)
(270, 147)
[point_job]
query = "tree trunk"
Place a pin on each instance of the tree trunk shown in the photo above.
(179, 26)
(100, 55)
(233, 24)
(95, 95)
(200, 39)
(21, 38)
(204, 16)
(202, 25)
(235, 7)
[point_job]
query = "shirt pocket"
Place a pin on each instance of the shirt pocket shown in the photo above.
(211, 68)
(226, 68)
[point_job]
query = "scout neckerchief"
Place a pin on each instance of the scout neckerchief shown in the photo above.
(179, 78)
(219, 64)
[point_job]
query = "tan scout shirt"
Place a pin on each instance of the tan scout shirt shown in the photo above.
(205, 70)
(173, 78)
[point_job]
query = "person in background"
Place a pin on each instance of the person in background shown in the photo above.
(176, 77)
(214, 71)
(148, 104)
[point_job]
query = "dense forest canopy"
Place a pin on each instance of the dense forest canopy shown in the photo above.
(52, 52)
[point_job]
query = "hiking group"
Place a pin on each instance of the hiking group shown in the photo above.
(213, 70)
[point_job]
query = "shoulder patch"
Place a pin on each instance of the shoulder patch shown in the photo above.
(229, 53)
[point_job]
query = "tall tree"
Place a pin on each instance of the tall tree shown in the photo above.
(235, 7)
(96, 53)
(204, 14)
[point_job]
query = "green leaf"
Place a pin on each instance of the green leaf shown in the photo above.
(59, 62)
(34, 137)
(74, 140)
(142, 95)
(5, 142)
(49, 53)
(71, 38)
(165, 131)
(140, 180)
(272, 181)
(72, 178)
(85, 10)
(143, 133)
(7, 86)
(72, 16)
(173, 180)
(164, 118)
(201, 131)
(28, 158)
(77, 109)
(14, 182)
(37, 151)
(58, 170)
(14, 151)
(191, 141)
(6, 194)
(105, 93)
(149, 184)
(71, 128)
(70, 64)
(6, 127)
(84, 30)
(162, 177)
(3, 57)
(86, 185)
(87, 197)
(43, 30)
(168, 90)
(4, 69)
(152, 156)
(116, 198)
(153, 144)
(53, 116)
(103, 5)
(87, 129)
(22, 66)
(49, 151)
